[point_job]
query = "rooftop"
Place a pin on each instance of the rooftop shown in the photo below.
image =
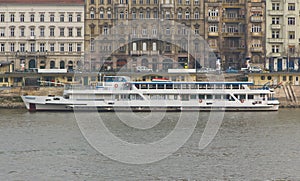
(41, 1)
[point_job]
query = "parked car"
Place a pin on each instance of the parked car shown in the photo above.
(206, 70)
(143, 69)
(255, 69)
(231, 70)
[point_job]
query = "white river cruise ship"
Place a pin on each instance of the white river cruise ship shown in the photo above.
(119, 93)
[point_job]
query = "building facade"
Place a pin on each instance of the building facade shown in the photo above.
(282, 33)
(43, 34)
(150, 36)
(235, 31)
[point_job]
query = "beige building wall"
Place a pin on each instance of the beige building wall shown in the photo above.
(30, 39)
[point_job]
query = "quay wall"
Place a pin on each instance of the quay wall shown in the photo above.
(10, 98)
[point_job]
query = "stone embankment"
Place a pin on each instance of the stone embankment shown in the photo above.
(288, 95)
(11, 97)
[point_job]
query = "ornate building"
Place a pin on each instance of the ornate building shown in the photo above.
(282, 46)
(234, 29)
(42, 34)
(157, 34)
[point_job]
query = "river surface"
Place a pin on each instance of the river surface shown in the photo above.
(248, 146)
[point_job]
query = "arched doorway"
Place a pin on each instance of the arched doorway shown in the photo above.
(145, 62)
(70, 65)
(167, 64)
(32, 64)
(52, 64)
(42, 64)
(62, 64)
(121, 64)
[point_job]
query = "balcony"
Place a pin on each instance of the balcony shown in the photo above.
(256, 49)
(213, 19)
(275, 26)
(32, 38)
(256, 34)
(256, 19)
(213, 33)
(118, 5)
(167, 5)
(233, 5)
(235, 34)
(275, 12)
(275, 40)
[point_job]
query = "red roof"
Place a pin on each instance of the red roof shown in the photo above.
(42, 1)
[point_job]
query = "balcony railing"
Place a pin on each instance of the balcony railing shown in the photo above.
(275, 40)
(275, 12)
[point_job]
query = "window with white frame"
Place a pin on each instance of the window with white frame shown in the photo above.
(42, 31)
(105, 30)
(22, 47)
(51, 17)
(92, 14)
(141, 15)
(61, 31)
(78, 32)
(134, 46)
(70, 47)
(12, 17)
(70, 18)
(275, 48)
(78, 47)
(51, 31)
(213, 28)
(32, 18)
(196, 15)
(62, 47)
(291, 20)
(275, 6)
(275, 33)
(2, 17)
(133, 15)
(32, 31)
(22, 31)
(101, 13)
(2, 32)
(213, 12)
(70, 32)
(42, 47)
(62, 18)
(22, 17)
(179, 15)
(144, 46)
(256, 28)
(2, 47)
(109, 14)
(78, 18)
(154, 48)
(42, 17)
(187, 15)
(12, 31)
(52, 47)
(32, 47)
(12, 47)
(275, 20)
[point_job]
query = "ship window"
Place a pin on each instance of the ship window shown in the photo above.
(290, 78)
(193, 96)
(201, 96)
(235, 86)
(169, 86)
(269, 77)
(56, 98)
(160, 86)
(262, 77)
(218, 97)
(175, 97)
(284, 78)
(219, 86)
(48, 99)
(208, 96)
(242, 96)
(184, 97)
(250, 96)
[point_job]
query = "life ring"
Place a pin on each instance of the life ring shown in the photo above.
(116, 85)
(200, 100)
(242, 100)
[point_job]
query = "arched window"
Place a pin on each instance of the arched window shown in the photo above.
(62, 64)
(52, 64)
